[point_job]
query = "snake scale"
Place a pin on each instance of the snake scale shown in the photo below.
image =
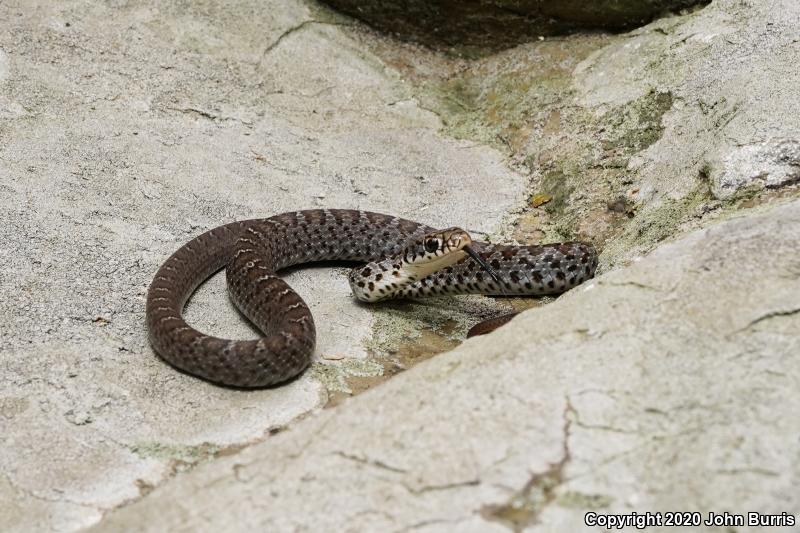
(404, 259)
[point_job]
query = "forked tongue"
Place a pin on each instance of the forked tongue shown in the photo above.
(485, 266)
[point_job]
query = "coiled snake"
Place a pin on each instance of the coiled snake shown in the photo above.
(405, 259)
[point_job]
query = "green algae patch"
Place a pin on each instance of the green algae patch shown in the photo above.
(403, 323)
(335, 376)
(494, 100)
(406, 333)
(636, 126)
(182, 456)
(522, 104)
(656, 223)
(558, 186)
(580, 500)
(663, 220)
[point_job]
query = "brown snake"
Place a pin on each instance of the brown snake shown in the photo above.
(405, 259)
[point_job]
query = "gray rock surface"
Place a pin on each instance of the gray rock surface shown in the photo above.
(128, 128)
(767, 164)
(727, 77)
(634, 137)
(668, 385)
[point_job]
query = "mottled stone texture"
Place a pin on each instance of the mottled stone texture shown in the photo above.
(125, 130)
(670, 382)
(668, 385)
(495, 24)
(769, 164)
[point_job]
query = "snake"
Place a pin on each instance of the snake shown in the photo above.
(398, 258)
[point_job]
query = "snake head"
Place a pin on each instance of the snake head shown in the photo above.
(440, 249)
(420, 258)
(438, 245)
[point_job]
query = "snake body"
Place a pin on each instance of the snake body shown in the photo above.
(253, 251)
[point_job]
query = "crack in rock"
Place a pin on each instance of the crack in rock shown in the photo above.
(450, 524)
(524, 508)
(48, 499)
(274, 44)
(371, 462)
(443, 486)
(214, 117)
(766, 316)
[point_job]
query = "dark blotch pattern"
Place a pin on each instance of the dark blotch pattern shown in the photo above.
(254, 251)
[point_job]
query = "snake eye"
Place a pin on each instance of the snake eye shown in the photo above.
(431, 245)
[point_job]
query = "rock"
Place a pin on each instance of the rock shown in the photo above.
(143, 127)
(131, 129)
(668, 385)
(768, 164)
(638, 136)
(493, 25)
(708, 104)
